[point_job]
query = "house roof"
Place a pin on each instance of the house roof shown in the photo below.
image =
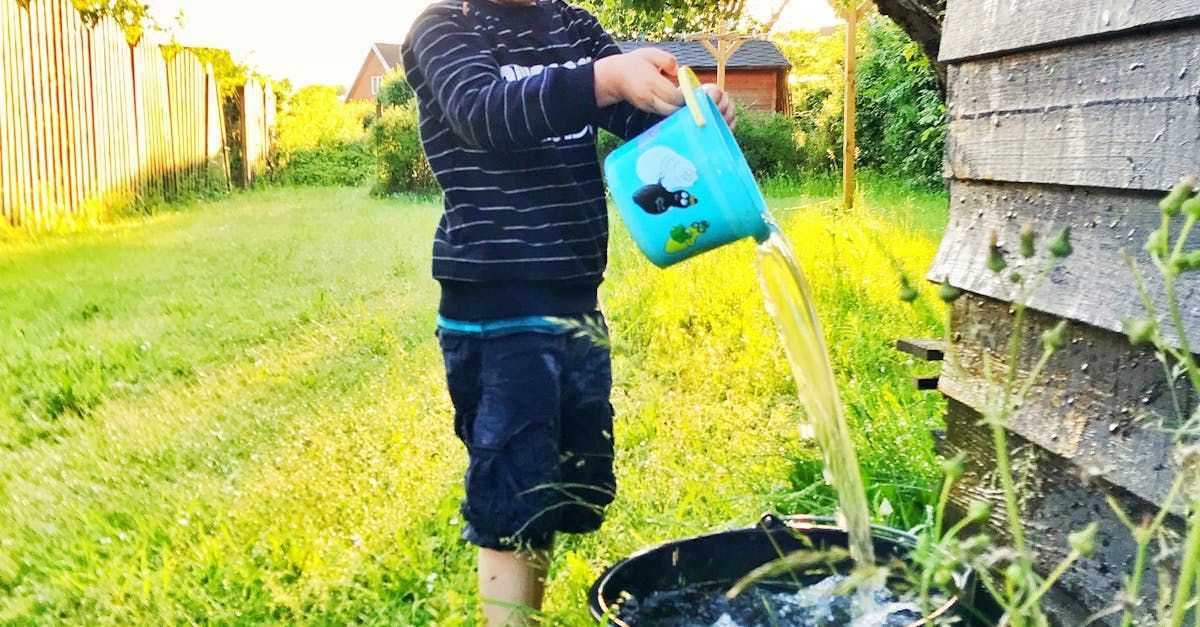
(389, 54)
(754, 54)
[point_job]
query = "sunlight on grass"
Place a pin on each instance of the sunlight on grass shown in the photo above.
(236, 413)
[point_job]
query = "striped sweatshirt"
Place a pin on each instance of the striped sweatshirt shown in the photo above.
(508, 118)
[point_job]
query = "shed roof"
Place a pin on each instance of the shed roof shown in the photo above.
(755, 54)
(389, 54)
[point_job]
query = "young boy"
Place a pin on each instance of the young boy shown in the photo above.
(510, 94)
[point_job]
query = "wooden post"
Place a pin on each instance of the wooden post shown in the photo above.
(849, 143)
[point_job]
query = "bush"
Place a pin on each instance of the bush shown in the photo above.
(770, 142)
(321, 140)
(606, 143)
(395, 92)
(331, 164)
(902, 121)
(395, 140)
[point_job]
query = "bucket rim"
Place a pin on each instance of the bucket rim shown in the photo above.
(796, 523)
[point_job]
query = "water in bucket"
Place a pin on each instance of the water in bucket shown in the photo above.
(684, 188)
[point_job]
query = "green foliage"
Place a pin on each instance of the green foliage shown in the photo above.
(659, 19)
(133, 15)
(329, 164)
(229, 73)
(771, 142)
(902, 120)
(321, 140)
(395, 91)
(316, 115)
(606, 143)
(395, 140)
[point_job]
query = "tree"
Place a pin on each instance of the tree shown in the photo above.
(664, 19)
(395, 92)
(922, 20)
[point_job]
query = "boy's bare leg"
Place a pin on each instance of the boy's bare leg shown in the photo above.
(511, 583)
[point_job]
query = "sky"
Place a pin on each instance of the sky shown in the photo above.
(312, 41)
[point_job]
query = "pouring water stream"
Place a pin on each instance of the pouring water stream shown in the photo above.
(789, 302)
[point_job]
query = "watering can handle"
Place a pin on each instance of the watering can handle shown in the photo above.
(688, 83)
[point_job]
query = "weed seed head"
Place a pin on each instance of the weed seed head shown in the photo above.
(1173, 203)
(1189, 262)
(1055, 339)
(949, 293)
(1061, 247)
(979, 511)
(1028, 239)
(1158, 244)
(995, 261)
(1014, 574)
(1083, 541)
(955, 467)
(1139, 330)
(1192, 208)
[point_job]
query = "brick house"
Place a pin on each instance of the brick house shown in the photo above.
(380, 60)
(756, 75)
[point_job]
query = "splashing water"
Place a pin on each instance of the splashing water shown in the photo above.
(790, 303)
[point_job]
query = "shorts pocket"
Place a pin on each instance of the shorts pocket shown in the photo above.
(512, 486)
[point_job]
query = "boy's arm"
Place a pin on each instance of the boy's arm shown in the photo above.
(621, 119)
(483, 109)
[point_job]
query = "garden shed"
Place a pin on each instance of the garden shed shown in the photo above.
(756, 74)
(1079, 113)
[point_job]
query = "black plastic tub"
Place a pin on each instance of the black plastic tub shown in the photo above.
(722, 559)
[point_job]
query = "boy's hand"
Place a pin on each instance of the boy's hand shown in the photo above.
(724, 103)
(644, 78)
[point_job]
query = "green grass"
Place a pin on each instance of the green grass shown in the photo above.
(235, 413)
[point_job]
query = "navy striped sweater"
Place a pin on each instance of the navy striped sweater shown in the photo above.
(508, 118)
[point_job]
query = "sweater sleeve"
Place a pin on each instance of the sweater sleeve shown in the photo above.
(482, 108)
(622, 119)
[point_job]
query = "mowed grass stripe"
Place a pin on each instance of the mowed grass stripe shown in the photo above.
(114, 313)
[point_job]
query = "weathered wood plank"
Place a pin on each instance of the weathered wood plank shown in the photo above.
(1152, 67)
(1103, 405)
(976, 28)
(1054, 501)
(1118, 114)
(1145, 144)
(1093, 285)
(923, 349)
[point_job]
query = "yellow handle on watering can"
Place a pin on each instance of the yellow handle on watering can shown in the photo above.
(689, 83)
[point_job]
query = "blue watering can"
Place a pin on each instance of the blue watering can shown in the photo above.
(683, 187)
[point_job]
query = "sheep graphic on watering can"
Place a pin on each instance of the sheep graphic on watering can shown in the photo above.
(667, 175)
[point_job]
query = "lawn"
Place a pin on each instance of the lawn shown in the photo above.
(234, 412)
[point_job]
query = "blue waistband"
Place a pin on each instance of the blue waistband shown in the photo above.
(505, 326)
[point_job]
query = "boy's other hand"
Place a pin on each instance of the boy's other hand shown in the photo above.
(724, 103)
(645, 78)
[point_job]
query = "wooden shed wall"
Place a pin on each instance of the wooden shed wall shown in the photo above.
(1078, 113)
(757, 89)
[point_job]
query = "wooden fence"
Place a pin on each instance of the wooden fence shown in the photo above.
(257, 104)
(88, 121)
